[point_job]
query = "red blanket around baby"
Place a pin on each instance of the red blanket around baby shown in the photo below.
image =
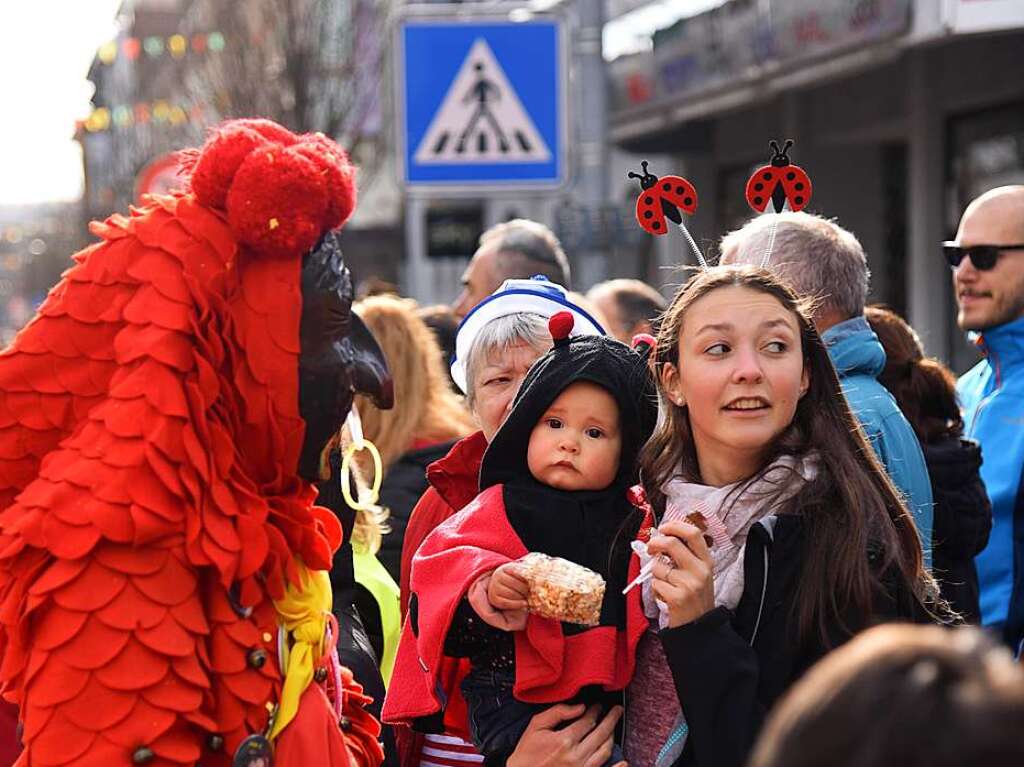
(550, 665)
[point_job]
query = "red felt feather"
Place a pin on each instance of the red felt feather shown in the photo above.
(148, 423)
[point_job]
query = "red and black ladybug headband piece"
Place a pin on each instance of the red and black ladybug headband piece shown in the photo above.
(780, 183)
(661, 200)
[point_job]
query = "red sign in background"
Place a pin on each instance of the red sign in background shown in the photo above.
(160, 176)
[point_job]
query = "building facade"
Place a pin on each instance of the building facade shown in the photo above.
(179, 67)
(901, 110)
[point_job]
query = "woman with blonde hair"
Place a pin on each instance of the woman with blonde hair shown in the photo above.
(428, 417)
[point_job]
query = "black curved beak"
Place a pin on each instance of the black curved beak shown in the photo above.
(370, 374)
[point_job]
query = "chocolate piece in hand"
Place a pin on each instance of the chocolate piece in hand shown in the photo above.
(699, 521)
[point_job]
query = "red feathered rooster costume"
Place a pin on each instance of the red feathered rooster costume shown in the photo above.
(152, 509)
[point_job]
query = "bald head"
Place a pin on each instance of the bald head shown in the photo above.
(992, 297)
(993, 218)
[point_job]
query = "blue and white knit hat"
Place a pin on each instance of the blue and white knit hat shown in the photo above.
(534, 296)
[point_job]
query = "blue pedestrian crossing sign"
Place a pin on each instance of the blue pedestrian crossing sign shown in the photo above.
(482, 103)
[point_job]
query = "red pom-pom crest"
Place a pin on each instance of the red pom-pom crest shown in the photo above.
(269, 129)
(277, 202)
(560, 325)
(281, 192)
(218, 162)
(339, 174)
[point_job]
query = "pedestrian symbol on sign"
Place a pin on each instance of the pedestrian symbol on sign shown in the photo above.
(481, 92)
(481, 119)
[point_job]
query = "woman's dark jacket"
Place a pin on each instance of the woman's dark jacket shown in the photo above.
(963, 520)
(404, 483)
(730, 667)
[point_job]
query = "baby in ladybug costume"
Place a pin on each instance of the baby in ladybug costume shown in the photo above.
(555, 480)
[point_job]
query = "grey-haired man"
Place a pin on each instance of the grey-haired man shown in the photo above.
(825, 262)
(517, 249)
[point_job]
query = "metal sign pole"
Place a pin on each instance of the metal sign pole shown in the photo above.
(591, 122)
(481, 114)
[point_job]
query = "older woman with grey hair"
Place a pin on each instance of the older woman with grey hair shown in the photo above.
(497, 342)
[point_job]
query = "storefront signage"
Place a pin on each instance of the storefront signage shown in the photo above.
(454, 233)
(738, 38)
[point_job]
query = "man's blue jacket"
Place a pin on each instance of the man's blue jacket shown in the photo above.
(992, 398)
(859, 359)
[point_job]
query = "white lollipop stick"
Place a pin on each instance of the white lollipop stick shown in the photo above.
(646, 572)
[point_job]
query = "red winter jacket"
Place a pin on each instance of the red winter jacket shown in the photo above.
(454, 483)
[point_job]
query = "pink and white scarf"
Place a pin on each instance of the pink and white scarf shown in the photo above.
(655, 728)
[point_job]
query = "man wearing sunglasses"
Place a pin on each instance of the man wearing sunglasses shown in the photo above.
(987, 259)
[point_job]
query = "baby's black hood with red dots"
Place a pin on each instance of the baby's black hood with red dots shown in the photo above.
(590, 527)
(604, 361)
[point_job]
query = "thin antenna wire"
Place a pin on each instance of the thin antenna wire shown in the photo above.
(696, 250)
(771, 242)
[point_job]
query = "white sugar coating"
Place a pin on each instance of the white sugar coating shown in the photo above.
(563, 590)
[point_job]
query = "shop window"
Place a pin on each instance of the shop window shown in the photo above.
(894, 191)
(986, 151)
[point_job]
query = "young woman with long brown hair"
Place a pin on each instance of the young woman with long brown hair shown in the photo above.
(801, 539)
(780, 536)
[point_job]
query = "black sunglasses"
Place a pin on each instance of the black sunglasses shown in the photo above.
(983, 257)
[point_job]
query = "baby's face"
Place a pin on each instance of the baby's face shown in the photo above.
(576, 443)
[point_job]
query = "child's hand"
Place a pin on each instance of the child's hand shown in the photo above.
(508, 589)
(480, 600)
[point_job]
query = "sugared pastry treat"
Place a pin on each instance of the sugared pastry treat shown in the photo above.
(563, 590)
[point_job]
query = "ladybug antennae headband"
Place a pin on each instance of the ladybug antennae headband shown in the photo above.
(782, 184)
(771, 242)
(780, 153)
(663, 198)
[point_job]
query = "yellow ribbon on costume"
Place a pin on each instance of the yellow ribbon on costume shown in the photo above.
(303, 614)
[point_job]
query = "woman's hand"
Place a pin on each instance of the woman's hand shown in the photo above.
(586, 742)
(686, 586)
